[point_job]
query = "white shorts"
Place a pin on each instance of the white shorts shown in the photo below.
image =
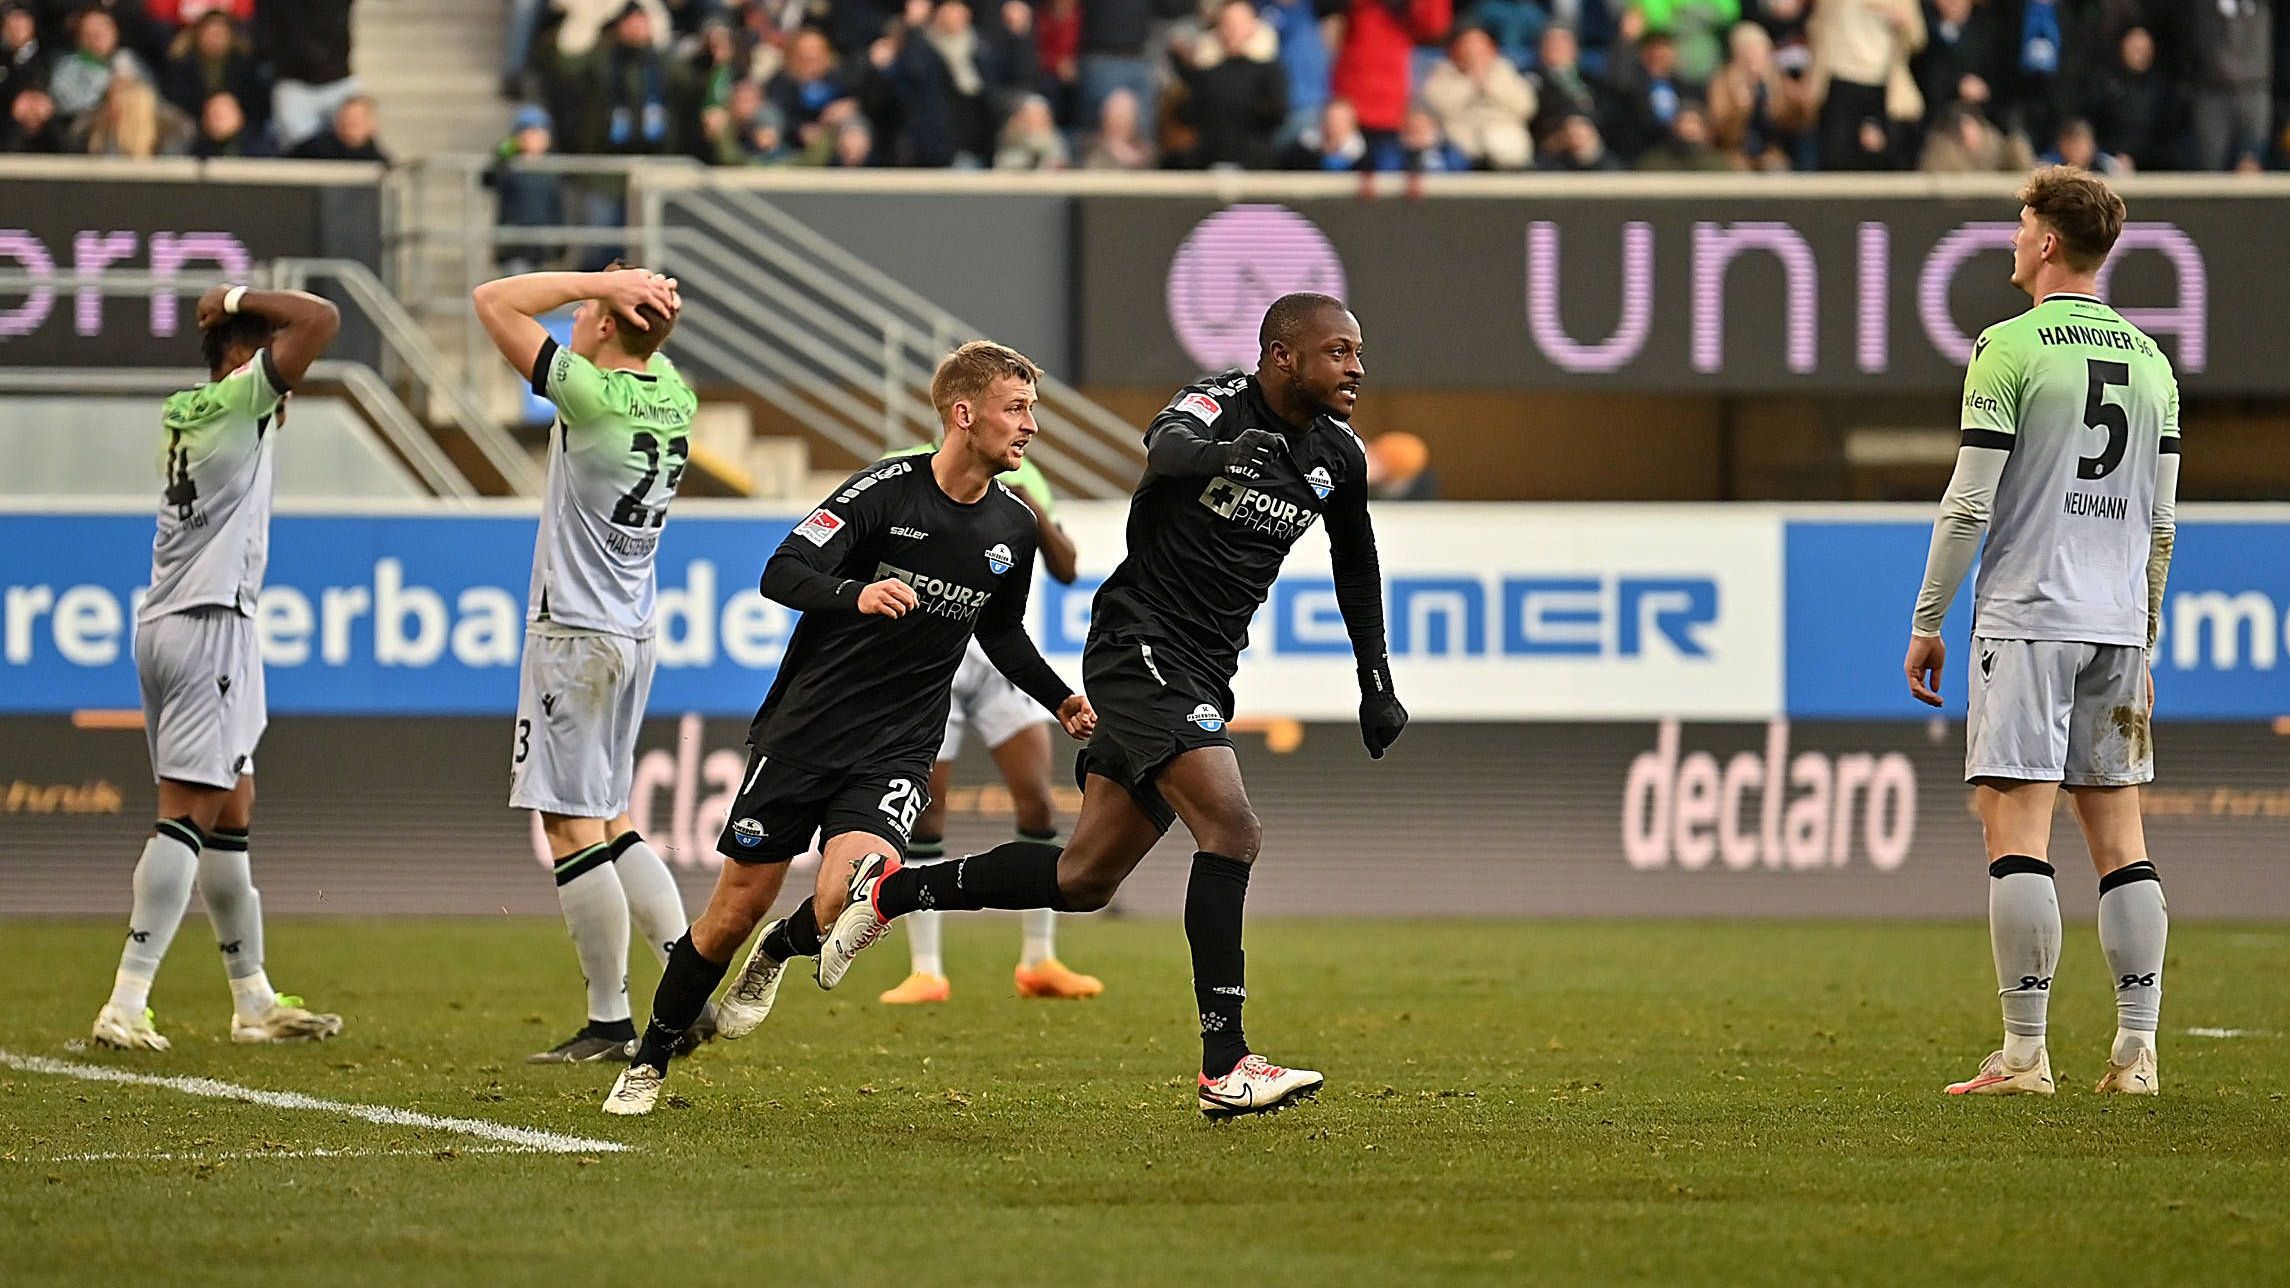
(2060, 712)
(203, 703)
(986, 702)
(580, 698)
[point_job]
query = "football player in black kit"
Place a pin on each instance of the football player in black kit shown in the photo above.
(892, 574)
(1237, 468)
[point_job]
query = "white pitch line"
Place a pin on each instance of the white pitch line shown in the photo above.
(169, 1156)
(526, 1138)
(2227, 1033)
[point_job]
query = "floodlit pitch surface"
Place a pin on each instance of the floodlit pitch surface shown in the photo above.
(1507, 1102)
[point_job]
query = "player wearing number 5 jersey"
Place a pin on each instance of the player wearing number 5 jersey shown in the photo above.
(2070, 461)
(200, 665)
(893, 575)
(616, 454)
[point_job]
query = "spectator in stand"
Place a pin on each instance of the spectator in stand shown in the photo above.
(23, 56)
(1698, 29)
(851, 25)
(2078, 146)
(1482, 102)
(1576, 148)
(1687, 148)
(1789, 24)
(1235, 101)
(1030, 139)
(1561, 88)
(137, 34)
(32, 123)
(1334, 144)
(1649, 91)
(718, 61)
(1374, 62)
(1298, 25)
(2232, 64)
(169, 15)
(209, 57)
(133, 122)
(745, 129)
(1120, 144)
(853, 144)
(1422, 147)
(2136, 110)
(527, 196)
(807, 89)
(633, 88)
(584, 25)
(1057, 56)
(350, 136)
(1114, 34)
(1755, 113)
(940, 77)
(225, 132)
(2038, 97)
(78, 80)
(1516, 27)
(307, 44)
(1399, 468)
(1968, 143)
(1959, 63)
(1861, 79)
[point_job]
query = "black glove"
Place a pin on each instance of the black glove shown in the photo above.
(1382, 718)
(1248, 454)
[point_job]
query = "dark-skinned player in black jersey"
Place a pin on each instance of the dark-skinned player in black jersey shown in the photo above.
(892, 574)
(1237, 468)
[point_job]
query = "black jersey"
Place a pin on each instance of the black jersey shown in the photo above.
(1205, 545)
(856, 689)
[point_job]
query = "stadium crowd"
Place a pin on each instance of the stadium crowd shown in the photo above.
(1329, 85)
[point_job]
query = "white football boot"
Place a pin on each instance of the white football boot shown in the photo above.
(2137, 1078)
(860, 925)
(119, 1030)
(635, 1091)
(285, 1021)
(1257, 1086)
(1995, 1079)
(745, 1004)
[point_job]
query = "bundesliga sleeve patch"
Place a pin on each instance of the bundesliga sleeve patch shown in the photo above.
(820, 528)
(1200, 407)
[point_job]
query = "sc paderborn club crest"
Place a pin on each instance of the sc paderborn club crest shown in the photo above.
(1207, 717)
(1322, 485)
(998, 558)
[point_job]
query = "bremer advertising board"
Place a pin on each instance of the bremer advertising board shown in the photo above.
(1658, 293)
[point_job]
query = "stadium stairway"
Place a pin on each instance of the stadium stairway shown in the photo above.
(434, 66)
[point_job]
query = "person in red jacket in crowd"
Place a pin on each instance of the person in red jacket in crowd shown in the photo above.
(1372, 66)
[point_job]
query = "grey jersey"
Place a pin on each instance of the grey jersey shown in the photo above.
(2085, 403)
(214, 514)
(616, 454)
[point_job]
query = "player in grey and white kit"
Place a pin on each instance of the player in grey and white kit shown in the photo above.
(2071, 443)
(199, 664)
(616, 454)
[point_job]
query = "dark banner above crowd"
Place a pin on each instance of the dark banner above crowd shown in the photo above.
(1680, 293)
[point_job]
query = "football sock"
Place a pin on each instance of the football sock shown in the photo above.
(1214, 898)
(685, 985)
(654, 903)
(163, 878)
(1040, 924)
(1016, 874)
(596, 912)
(226, 886)
(924, 934)
(795, 935)
(2133, 925)
(2023, 930)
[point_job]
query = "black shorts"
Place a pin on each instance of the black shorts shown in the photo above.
(780, 805)
(1151, 709)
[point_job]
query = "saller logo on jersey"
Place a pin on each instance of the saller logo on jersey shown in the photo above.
(1200, 407)
(1207, 717)
(998, 558)
(819, 528)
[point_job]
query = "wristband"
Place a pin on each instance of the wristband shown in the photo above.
(232, 297)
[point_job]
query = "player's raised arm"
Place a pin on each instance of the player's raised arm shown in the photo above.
(804, 573)
(1990, 419)
(1360, 597)
(304, 326)
(1002, 634)
(508, 307)
(1182, 443)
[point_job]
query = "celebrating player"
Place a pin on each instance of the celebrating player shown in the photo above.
(2071, 444)
(1007, 721)
(893, 575)
(200, 665)
(616, 454)
(1237, 468)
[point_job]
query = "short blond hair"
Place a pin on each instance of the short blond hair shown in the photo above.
(969, 373)
(2081, 208)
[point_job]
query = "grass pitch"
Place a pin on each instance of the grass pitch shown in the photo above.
(1507, 1103)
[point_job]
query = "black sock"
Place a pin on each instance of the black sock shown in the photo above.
(612, 1030)
(797, 935)
(1014, 874)
(685, 984)
(1213, 902)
